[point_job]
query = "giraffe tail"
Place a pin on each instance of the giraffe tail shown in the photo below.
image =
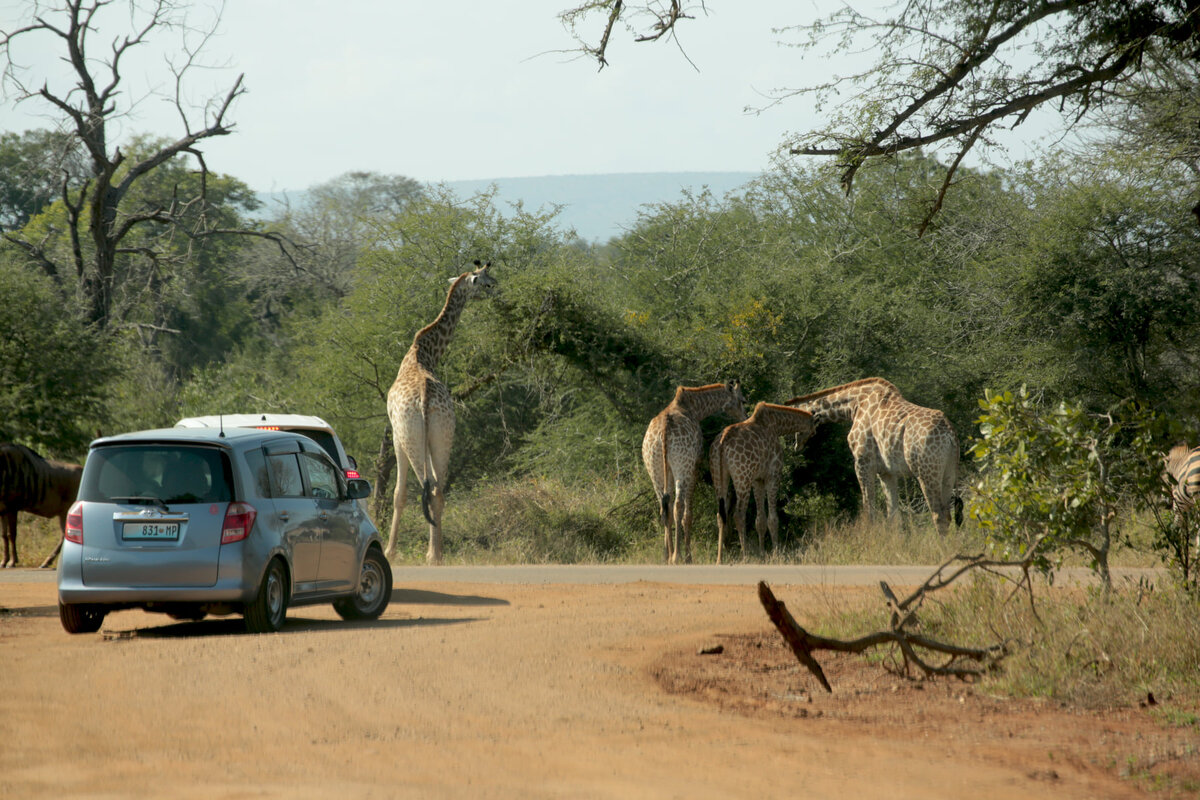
(429, 480)
(957, 503)
(426, 496)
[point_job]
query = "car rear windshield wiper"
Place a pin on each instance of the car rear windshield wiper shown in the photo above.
(146, 500)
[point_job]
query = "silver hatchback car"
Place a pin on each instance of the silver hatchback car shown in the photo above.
(191, 522)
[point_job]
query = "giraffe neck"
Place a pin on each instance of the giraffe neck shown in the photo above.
(702, 401)
(841, 403)
(782, 420)
(431, 341)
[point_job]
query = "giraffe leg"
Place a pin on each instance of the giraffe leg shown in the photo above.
(667, 520)
(682, 550)
(739, 519)
(891, 493)
(773, 513)
(399, 497)
(440, 440)
(722, 518)
(437, 502)
(939, 502)
(864, 470)
(687, 527)
(760, 518)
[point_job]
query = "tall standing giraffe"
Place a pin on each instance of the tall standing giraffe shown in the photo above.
(749, 454)
(671, 450)
(891, 438)
(422, 413)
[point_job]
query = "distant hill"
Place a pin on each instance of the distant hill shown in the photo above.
(597, 207)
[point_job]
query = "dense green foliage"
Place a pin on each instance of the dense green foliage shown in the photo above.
(1054, 479)
(1081, 284)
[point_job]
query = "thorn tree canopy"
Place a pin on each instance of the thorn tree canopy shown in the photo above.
(946, 72)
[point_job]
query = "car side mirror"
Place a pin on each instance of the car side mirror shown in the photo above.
(358, 488)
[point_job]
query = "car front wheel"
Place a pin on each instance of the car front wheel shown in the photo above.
(77, 618)
(374, 590)
(265, 614)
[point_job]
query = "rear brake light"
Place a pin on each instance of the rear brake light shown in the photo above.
(352, 474)
(74, 532)
(239, 520)
(267, 427)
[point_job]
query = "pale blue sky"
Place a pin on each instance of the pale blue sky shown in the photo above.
(455, 91)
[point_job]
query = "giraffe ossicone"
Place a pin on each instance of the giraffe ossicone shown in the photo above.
(421, 411)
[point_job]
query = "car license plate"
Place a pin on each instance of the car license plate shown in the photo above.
(151, 530)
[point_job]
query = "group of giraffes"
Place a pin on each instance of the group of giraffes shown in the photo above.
(890, 438)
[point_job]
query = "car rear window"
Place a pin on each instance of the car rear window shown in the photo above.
(325, 439)
(170, 473)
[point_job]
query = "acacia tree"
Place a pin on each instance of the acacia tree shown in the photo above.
(947, 72)
(99, 222)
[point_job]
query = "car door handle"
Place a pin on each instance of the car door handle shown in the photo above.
(323, 516)
(283, 515)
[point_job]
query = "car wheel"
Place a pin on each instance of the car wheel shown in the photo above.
(374, 590)
(80, 618)
(269, 607)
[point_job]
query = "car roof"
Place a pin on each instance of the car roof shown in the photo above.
(210, 436)
(288, 421)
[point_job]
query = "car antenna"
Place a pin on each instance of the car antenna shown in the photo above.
(221, 425)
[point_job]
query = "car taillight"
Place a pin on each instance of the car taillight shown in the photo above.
(352, 475)
(239, 520)
(74, 532)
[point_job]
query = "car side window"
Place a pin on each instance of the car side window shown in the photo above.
(322, 477)
(256, 462)
(285, 475)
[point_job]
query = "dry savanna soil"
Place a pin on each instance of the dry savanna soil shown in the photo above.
(518, 690)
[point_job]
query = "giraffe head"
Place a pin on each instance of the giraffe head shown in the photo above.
(478, 282)
(735, 404)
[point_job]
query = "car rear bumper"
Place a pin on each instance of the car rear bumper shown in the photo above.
(233, 585)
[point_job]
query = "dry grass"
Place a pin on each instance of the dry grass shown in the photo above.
(36, 538)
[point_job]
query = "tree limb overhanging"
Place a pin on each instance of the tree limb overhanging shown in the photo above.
(946, 72)
(663, 13)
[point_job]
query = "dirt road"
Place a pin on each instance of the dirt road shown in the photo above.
(515, 690)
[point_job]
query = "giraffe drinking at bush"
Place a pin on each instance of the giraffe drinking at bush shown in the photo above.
(749, 455)
(891, 438)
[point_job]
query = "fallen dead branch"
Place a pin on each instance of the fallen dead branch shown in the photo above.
(913, 646)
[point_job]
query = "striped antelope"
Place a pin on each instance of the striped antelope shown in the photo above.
(35, 485)
(1182, 476)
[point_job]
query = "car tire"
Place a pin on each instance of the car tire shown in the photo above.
(265, 614)
(78, 618)
(374, 590)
